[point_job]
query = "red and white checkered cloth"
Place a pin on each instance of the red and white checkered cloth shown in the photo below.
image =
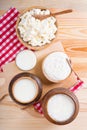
(10, 45)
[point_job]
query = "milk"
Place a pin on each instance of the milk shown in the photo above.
(60, 107)
(26, 60)
(25, 90)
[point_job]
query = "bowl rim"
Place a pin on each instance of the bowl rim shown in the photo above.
(27, 75)
(25, 43)
(53, 92)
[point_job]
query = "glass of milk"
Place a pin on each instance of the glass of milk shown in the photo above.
(25, 88)
(60, 106)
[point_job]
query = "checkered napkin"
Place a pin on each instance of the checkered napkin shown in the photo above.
(10, 45)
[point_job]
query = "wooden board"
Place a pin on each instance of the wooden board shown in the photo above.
(10, 70)
(73, 34)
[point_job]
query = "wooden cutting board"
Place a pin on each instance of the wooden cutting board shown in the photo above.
(10, 70)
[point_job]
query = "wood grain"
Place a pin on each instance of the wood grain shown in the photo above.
(73, 34)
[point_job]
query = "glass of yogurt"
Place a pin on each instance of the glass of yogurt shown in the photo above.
(34, 33)
(55, 66)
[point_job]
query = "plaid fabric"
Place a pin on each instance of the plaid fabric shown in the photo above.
(10, 45)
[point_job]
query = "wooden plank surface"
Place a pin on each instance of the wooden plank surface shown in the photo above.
(73, 34)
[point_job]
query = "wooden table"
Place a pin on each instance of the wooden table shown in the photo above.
(73, 34)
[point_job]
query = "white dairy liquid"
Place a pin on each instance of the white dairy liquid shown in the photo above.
(26, 60)
(24, 90)
(55, 66)
(60, 107)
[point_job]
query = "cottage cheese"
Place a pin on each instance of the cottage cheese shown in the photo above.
(36, 32)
